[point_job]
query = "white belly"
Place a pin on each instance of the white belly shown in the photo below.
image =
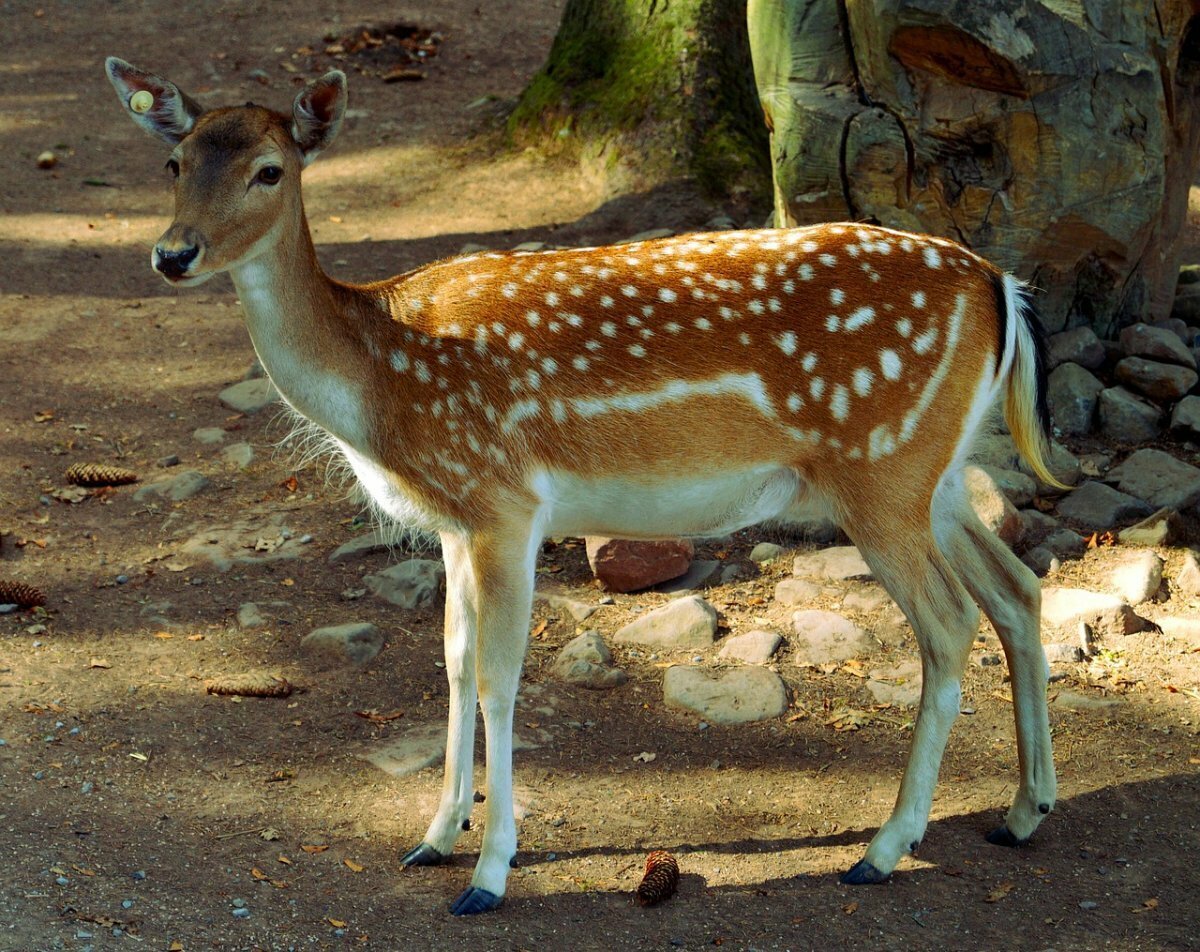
(699, 506)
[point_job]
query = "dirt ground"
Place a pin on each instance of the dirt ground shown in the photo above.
(139, 812)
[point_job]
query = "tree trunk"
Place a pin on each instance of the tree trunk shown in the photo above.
(1058, 139)
(645, 90)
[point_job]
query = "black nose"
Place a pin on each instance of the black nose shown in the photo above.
(174, 264)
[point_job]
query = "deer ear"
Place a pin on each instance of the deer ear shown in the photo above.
(154, 103)
(317, 113)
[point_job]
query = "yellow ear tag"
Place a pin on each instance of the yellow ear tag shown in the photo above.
(141, 101)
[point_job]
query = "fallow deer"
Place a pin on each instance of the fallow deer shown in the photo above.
(685, 386)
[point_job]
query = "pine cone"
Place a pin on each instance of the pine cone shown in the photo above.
(18, 593)
(660, 880)
(99, 474)
(251, 685)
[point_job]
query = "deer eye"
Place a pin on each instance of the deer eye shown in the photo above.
(269, 175)
(173, 167)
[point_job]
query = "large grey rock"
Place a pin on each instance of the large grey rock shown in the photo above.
(1138, 576)
(796, 591)
(1163, 527)
(249, 396)
(1159, 381)
(868, 599)
(1185, 418)
(1187, 580)
(579, 611)
(688, 622)
(1072, 393)
(1127, 418)
(736, 696)
(209, 435)
(898, 684)
(1098, 506)
(1071, 701)
(250, 616)
(410, 584)
(991, 505)
(837, 563)
(1106, 615)
(1080, 345)
(1158, 478)
(823, 636)
(251, 541)
(238, 454)
(1142, 340)
(765, 552)
(587, 662)
(1065, 544)
(1020, 488)
(354, 643)
(183, 486)
(754, 647)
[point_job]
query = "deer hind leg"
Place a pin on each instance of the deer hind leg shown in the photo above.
(1009, 594)
(905, 558)
(454, 810)
(504, 572)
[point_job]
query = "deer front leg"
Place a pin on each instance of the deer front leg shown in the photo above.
(504, 571)
(454, 810)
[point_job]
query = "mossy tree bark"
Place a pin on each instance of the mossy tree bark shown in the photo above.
(650, 89)
(1058, 138)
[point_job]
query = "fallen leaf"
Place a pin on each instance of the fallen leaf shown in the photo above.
(850, 908)
(353, 866)
(1146, 906)
(138, 755)
(375, 717)
(283, 859)
(99, 663)
(258, 873)
(164, 635)
(83, 870)
(314, 848)
(71, 494)
(644, 757)
(195, 637)
(848, 719)
(43, 416)
(538, 629)
(336, 923)
(999, 892)
(270, 834)
(175, 946)
(291, 484)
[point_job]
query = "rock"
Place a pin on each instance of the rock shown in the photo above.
(873, 598)
(837, 563)
(1127, 418)
(1188, 579)
(245, 543)
(1080, 345)
(1036, 526)
(1186, 306)
(1073, 393)
(1176, 325)
(1158, 478)
(1142, 340)
(648, 235)
(628, 565)
(1138, 577)
(736, 696)
(587, 662)
(688, 622)
(410, 584)
(579, 611)
(754, 647)
(1018, 487)
(826, 636)
(899, 684)
(765, 552)
(701, 574)
(417, 748)
(1042, 561)
(1058, 653)
(1098, 506)
(240, 455)
(1185, 418)
(1065, 544)
(377, 541)
(249, 616)
(209, 435)
(1165, 383)
(991, 505)
(1065, 608)
(185, 485)
(354, 643)
(249, 396)
(796, 591)
(1164, 527)
(1071, 701)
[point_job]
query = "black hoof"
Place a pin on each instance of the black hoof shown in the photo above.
(474, 901)
(422, 855)
(863, 873)
(1001, 836)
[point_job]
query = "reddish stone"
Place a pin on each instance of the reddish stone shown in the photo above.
(626, 565)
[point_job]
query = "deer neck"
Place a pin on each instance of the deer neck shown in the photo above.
(300, 323)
